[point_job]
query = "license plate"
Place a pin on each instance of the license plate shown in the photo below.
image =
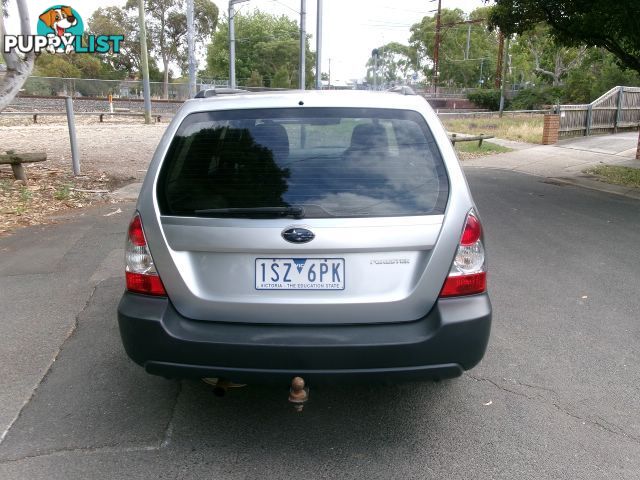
(299, 274)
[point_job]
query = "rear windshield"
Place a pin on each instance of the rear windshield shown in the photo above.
(326, 162)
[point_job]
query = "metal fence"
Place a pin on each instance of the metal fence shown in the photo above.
(619, 108)
(130, 89)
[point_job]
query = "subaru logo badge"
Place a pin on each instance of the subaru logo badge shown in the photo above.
(298, 235)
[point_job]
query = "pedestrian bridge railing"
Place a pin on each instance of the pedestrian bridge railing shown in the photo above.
(619, 108)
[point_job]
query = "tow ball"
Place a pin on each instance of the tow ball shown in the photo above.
(298, 393)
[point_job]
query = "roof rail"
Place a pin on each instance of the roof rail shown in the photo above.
(212, 92)
(402, 90)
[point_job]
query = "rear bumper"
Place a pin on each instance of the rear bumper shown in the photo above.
(451, 338)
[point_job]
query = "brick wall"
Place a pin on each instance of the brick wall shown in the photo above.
(551, 129)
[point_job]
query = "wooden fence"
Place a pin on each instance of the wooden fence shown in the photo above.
(619, 108)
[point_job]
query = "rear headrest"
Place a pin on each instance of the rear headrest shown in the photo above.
(369, 136)
(272, 136)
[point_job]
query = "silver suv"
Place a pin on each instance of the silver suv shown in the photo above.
(328, 235)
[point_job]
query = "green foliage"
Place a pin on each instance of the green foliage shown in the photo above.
(264, 44)
(627, 176)
(542, 59)
(395, 63)
(57, 65)
(255, 80)
(166, 24)
(487, 148)
(537, 98)
(281, 78)
(598, 74)
(25, 194)
(118, 21)
(489, 98)
(455, 68)
(610, 25)
(72, 65)
(63, 192)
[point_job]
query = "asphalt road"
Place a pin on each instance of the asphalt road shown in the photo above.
(557, 395)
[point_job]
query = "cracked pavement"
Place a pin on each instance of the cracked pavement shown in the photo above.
(557, 395)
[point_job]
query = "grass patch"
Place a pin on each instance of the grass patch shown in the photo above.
(470, 150)
(520, 129)
(487, 148)
(627, 176)
(25, 194)
(63, 192)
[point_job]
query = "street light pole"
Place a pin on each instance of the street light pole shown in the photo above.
(303, 44)
(191, 48)
(232, 48)
(503, 81)
(319, 46)
(436, 51)
(375, 53)
(144, 60)
(232, 43)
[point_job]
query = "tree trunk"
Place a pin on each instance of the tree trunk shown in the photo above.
(559, 69)
(18, 70)
(638, 150)
(165, 87)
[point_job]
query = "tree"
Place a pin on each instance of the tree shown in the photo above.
(548, 59)
(395, 62)
(456, 68)
(118, 21)
(264, 44)
(167, 29)
(18, 68)
(281, 79)
(609, 25)
(597, 74)
(255, 80)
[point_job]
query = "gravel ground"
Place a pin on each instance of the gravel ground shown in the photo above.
(123, 151)
(30, 104)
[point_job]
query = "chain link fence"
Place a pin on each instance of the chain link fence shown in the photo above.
(124, 89)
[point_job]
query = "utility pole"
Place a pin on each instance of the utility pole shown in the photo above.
(232, 43)
(319, 46)
(375, 54)
(191, 48)
(144, 60)
(504, 74)
(498, 80)
(303, 44)
(466, 52)
(329, 72)
(436, 50)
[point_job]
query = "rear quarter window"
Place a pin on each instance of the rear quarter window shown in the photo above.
(333, 162)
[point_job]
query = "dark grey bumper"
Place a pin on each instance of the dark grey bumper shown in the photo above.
(451, 338)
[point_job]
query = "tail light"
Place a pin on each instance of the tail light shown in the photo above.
(140, 271)
(468, 273)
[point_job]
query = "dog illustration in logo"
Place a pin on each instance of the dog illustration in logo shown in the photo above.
(59, 20)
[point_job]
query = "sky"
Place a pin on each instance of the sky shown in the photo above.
(351, 28)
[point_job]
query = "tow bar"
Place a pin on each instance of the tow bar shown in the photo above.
(221, 385)
(298, 393)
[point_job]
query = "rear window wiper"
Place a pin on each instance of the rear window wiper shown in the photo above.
(295, 212)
